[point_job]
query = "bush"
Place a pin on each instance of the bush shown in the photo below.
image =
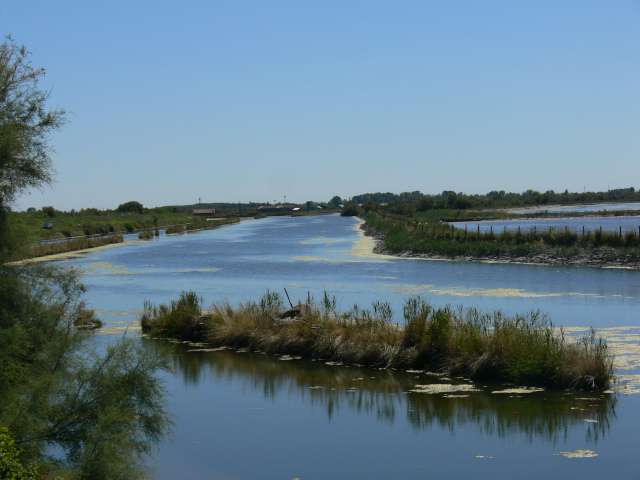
(350, 209)
(11, 468)
(134, 207)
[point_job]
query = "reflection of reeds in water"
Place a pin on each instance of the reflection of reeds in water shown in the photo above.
(521, 349)
(386, 394)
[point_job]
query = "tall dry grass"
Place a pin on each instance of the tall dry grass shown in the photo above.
(525, 349)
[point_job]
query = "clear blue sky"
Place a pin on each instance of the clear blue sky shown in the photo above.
(237, 101)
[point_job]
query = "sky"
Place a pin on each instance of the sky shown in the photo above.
(239, 101)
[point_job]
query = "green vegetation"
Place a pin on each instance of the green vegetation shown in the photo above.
(209, 224)
(66, 411)
(523, 350)
(406, 234)
(92, 222)
(11, 468)
(350, 209)
(417, 201)
(53, 248)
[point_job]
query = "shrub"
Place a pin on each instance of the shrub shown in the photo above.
(350, 209)
(11, 468)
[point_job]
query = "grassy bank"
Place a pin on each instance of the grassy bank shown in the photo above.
(525, 350)
(201, 225)
(40, 250)
(401, 234)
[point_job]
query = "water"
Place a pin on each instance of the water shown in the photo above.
(608, 224)
(242, 415)
(589, 208)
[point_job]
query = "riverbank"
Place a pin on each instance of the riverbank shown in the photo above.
(597, 259)
(562, 206)
(402, 238)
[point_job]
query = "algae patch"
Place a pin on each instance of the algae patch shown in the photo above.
(519, 390)
(435, 388)
(578, 454)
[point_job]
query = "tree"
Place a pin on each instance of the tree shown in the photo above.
(350, 209)
(335, 201)
(25, 125)
(371, 205)
(425, 203)
(98, 414)
(133, 206)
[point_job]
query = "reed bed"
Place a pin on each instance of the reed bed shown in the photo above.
(403, 235)
(40, 250)
(525, 349)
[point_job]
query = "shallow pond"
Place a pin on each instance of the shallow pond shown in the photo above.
(578, 225)
(588, 208)
(246, 415)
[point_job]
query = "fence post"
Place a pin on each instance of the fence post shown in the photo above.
(583, 231)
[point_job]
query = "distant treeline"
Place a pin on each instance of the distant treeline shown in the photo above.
(417, 201)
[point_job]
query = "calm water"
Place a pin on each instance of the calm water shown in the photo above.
(242, 415)
(591, 208)
(613, 224)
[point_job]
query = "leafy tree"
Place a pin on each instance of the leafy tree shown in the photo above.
(102, 413)
(49, 211)
(371, 205)
(350, 209)
(11, 468)
(133, 206)
(425, 203)
(25, 125)
(335, 201)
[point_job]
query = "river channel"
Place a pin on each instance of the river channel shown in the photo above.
(243, 415)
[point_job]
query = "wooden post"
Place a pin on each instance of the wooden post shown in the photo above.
(583, 231)
(285, 291)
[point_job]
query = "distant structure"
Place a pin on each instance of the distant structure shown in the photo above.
(203, 212)
(278, 208)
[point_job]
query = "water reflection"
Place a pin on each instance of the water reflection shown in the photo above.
(387, 396)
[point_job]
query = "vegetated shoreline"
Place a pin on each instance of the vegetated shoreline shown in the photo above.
(599, 258)
(108, 244)
(560, 206)
(522, 350)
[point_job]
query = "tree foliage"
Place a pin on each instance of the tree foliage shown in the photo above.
(132, 206)
(350, 209)
(100, 413)
(25, 124)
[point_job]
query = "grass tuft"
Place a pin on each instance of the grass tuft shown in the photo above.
(525, 349)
